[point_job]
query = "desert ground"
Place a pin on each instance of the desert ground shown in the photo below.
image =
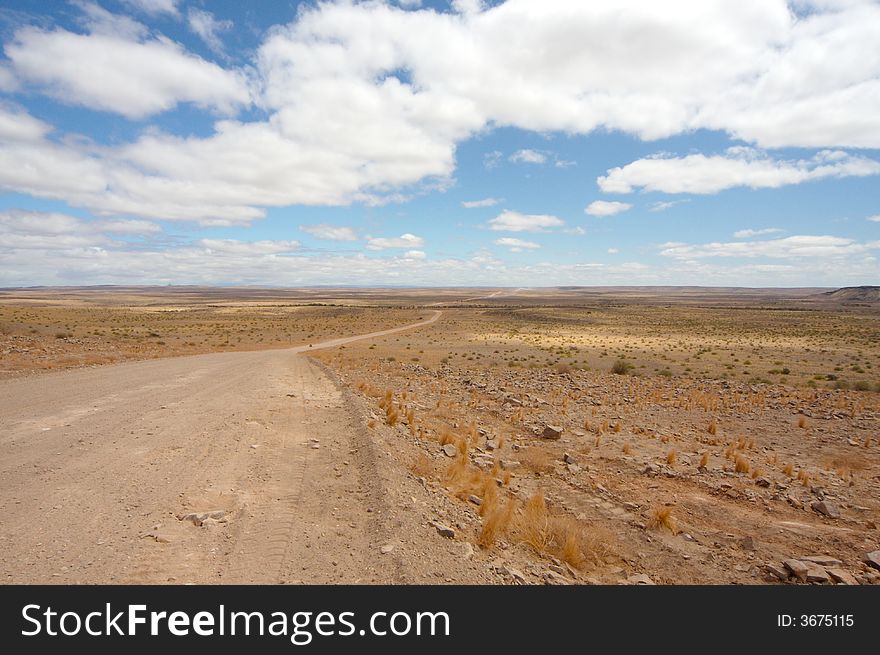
(480, 436)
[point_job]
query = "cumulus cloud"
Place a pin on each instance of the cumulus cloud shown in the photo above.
(204, 25)
(414, 254)
(516, 245)
(737, 167)
(875, 218)
(357, 106)
(748, 233)
(236, 247)
(528, 156)
(26, 230)
(403, 241)
(122, 73)
(510, 221)
(330, 232)
(154, 7)
(606, 208)
(613, 251)
(485, 202)
(801, 246)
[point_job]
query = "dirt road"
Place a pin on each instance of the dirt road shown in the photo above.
(99, 465)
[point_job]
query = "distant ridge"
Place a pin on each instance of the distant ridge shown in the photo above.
(865, 294)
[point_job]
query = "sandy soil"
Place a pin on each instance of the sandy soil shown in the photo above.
(102, 466)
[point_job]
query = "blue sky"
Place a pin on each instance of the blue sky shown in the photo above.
(517, 143)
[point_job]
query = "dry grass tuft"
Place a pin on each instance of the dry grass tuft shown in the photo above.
(627, 449)
(672, 457)
(802, 421)
(788, 469)
(662, 517)
(742, 464)
(704, 460)
(713, 428)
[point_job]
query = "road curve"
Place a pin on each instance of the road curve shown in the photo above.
(98, 465)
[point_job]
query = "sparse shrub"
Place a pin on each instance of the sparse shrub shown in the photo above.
(671, 457)
(713, 428)
(704, 460)
(742, 464)
(662, 517)
(621, 367)
(788, 469)
(802, 421)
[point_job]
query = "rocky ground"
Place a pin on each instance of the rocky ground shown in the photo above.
(635, 480)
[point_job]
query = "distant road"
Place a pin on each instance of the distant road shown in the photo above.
(98, 464)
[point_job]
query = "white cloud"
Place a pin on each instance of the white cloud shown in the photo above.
(330, 232)
(492, 159)
(33, 230)
(748, 233)
(485, 202)
(613, 251)
(403, 241)
(875, 218)
(98, 20)
(576, 230)
(606, 208)
(121, 73)
(154, 7)
(235, 247)
(528, 156)
(516, 245)
(789, 247)
(663, 205)
(414, 254)
(341, 126)
(207, 28)
(738, 167)
(510, 221)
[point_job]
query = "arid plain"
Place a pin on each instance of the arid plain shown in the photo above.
(527, 436)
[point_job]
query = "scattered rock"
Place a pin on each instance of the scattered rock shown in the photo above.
(552, 432)
(822, 560)
(777, 572)
(639, 579)
(798, 568)
(762, 482)
(387, 548)
(816, 573)
(158, 536)
(199, 518)
(827, 508)
(516, 574)
(568, 459)
(445, 531)
(476, 500)
(748, 543)
(467, 550)
(873, 559)
(449, 450)
(842, 577)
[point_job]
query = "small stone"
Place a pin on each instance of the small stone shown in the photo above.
(467, 550)
(797, 567)
(816, 573)
(762, 482)
(491, 444)
(199, 518)
(639, 579)
(842, 577)
(449, 450)
(822, 560)
(516, 574)
(445, 531)
(568, 459)
(387, 548)
(476, 500)
(748, 543)
(777, 572)
(872, 559)
(827, 508)
(552, 432)
(255, 446)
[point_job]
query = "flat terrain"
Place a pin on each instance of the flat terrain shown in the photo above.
(502, 436)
